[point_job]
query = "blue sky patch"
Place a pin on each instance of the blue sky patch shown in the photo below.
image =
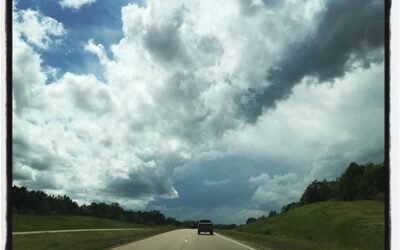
(100, 21)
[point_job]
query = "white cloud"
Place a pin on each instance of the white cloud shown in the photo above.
(336, 122)
(31, 29)
(278, 190)
(75, 4)
(315, 134)
(98, 50)
(37, 29)
(27, 73)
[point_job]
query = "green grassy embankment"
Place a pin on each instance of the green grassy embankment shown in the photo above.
(24, 222)
(77, 240)
(322, 225)
(83, 240)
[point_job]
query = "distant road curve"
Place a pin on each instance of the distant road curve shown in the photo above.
(185, 239)
(76, 230)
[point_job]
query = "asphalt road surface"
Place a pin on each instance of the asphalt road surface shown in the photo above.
(185, 239)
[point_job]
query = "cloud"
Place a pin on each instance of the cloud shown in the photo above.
(320, 127)
(31, 30)
(348, 30)
(75, 4)
(209, 183)
(141, 184)
(98, 50)
(37, 29)
(22, 172)
(81, 92)
(276, 191)
(165, 44)
(27, 74)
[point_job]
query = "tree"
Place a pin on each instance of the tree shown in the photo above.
(372, 182)
(288, 207)
(349, 182)
(130, 216)
(71, 207)
(319, 191)
(272, 213)
(99, 209)
(37, 202)
(115, 211)
(20, 199)
(251, 220)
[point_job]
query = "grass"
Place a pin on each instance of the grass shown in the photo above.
(23, 223)
(264, 242)
(83, 240)
(77, 240)
(323, 225)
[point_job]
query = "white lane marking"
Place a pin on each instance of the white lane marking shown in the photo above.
(184, 243)
(235, 242)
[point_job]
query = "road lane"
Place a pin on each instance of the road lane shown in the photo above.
(185, 239)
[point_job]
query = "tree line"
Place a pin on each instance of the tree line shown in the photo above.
(25, 201)
(357, 182)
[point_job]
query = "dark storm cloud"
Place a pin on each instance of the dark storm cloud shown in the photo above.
(273, 3)
(141, 185)
(248, 8)
(21, 174)
(165, 44)
(22, 153)
(33, 153)
(150, 179)
(20, 146)
(347, 28)
(43, 181)
(193, 193)
(228, 176)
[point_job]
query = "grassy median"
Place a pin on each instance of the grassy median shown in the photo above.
(77, 240)
(83, 240)
(23, 223)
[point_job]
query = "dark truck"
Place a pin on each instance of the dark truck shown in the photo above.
(205, 226)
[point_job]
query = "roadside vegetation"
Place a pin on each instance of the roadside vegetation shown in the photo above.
(84, 240)
(344, 213)
(38, 211)
(321, 225)
(27, 222)
(30, 202)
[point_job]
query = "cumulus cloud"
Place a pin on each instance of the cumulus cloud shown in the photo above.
(80, 92)
(75, 4)
(276, 191)
(163, 122)
(37, 29)
(348, 30)
(31, 30)
(319, 123)
(98, 50)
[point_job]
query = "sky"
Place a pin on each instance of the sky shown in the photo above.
(201, 109)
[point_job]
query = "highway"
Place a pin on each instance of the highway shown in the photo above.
(185, 239)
